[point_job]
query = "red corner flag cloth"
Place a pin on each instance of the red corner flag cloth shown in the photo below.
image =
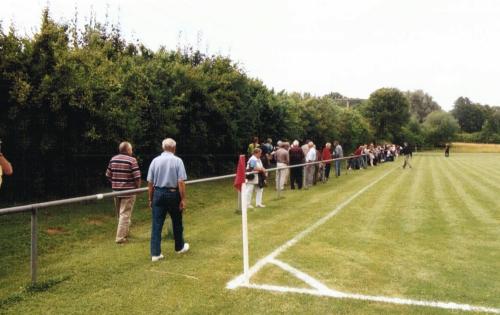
(240, 173)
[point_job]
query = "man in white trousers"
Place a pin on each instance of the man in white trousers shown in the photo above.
(257, 180)
(282, 161)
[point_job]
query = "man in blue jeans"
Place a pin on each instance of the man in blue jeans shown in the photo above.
(337, 153)
(167, 194)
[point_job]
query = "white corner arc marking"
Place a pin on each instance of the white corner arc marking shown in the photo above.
(383, 299)
(238, 281)
(319, 289)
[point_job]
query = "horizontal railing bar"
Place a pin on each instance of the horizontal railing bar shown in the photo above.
(60, 202)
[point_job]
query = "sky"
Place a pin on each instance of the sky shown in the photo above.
(448, 48)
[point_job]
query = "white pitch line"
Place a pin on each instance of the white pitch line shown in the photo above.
(383, 299)
(239, 280)
(300, 275)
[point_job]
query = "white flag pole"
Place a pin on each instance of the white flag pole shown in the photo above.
(246, 263)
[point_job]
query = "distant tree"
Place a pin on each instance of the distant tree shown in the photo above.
(440, 127)
(470, 116)
(354, 129)
(421, 104)
(387, 110)
(335, 96)
(491, 129)
(320, 117)
(412, 132)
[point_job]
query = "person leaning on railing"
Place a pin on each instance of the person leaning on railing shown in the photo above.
(167, 194)
(5, 166)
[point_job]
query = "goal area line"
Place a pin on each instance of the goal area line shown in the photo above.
(320, 289)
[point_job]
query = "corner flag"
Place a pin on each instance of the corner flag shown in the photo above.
(240, 173)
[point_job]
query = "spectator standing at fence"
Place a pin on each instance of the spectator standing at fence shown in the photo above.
(167, 194)
(124, 174)
(310, 158)
(447, 150)
(296, 157)
(407, 154)
(267, 150)
(358, 162)
(256, 181)
(325, 156)
(286, 146)
(318, 167)
(338, 154)
(282, 160)
(5, 166)
(252, 146)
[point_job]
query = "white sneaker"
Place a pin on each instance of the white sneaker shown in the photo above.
(261, 206)
(249, 207)
(156, 258)
(184, 249)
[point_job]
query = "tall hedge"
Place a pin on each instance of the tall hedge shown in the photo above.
(69, 96)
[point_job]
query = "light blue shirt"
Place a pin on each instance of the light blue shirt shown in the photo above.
(166, 170)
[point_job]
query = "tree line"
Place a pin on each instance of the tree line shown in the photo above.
(69, 95)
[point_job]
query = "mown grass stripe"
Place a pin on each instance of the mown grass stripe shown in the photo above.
(474, 207)
(490, 181)
(485, 165)
(477, 190)
(486, 176)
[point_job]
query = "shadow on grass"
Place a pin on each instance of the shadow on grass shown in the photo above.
(30, 290)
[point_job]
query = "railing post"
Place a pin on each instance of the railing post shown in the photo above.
(239, 201)
(34, 243)
(278, 183)
(244, 229)
(323, 179)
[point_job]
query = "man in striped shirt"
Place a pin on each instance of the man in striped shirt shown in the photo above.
(124, 174)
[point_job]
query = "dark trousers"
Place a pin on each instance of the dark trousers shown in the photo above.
(166, 201)
(327, 170)
(296, 177)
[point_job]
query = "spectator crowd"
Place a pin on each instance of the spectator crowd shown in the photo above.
(309, 163)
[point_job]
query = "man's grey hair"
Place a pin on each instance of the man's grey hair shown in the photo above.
(123, 147)
(168, 144)
(295, 143)
(328, 145)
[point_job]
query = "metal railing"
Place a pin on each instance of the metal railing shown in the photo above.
(33, 208)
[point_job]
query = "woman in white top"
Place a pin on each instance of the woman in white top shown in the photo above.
(255, 164)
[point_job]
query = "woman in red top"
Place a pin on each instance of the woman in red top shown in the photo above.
(326, 155)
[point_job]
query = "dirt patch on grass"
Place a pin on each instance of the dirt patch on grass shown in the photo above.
(97, 222)
(56, 231)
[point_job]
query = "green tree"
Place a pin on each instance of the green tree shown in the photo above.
(413, 133)
(470, 116)
(440, 127)
(491, 129)
(354, 129)
(387, 110)
(421, 104)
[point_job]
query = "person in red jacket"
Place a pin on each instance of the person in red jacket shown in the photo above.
(326, 155)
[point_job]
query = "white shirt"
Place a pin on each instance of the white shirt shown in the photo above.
(311, 155)
(254, 162)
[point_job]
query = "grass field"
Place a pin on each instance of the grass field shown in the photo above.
(462, 147)
(429, 233)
